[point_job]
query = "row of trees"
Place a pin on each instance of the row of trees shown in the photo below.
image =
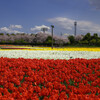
(32, 39)
(88, 39)
(46, 39)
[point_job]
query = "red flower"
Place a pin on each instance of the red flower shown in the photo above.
(31, 78)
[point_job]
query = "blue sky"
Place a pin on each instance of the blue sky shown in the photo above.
(29, 16)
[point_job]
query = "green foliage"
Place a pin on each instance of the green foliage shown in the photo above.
(87, 37)
(1, 33)
(23, 34)
(71, 82)
(41, 98)
(90, 40)
(89, 82)
(93, 41)
(98, 42)
(9, 41)
(3, 42)
(95, 36)
(12, 34)
(68, 43)
(32, 34)
(71, 39)
(9, 91)
(1, 86)
(22, 41)
(49, 40)
(84, 42)
(8, 34)
(40, 85)
(64, 82)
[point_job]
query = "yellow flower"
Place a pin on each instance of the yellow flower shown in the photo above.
(58, 49)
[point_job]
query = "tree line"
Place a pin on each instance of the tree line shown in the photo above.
(85, 40)
(44, 39)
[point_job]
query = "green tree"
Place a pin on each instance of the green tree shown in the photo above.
(21, 41)
(93, 41)
(8, 34)
(1, 33)
(71, 39)
(9, 41)
(22, 33)
(98, 42)
(49, 40)
(87, 37)
(32, 34)
(12, 34)
(85, 42)
(3, 42)
(95, 36)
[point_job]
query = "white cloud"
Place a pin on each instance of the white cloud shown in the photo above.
(4, 29)
(62, 22)
(15, 26)
(68, 24)
(95, 3)
(38, 28)
(10, 29)
(88, 26)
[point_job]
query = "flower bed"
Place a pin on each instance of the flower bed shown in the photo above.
(48, 54)
(13, 48)
(50, 49)
(34, 79)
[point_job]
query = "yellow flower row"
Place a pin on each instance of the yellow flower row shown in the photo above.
(70, 49)
(59, 49)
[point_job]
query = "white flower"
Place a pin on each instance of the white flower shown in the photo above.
(49, 54)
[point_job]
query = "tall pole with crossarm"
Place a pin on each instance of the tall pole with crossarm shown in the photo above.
(75, 24)
(52, 26)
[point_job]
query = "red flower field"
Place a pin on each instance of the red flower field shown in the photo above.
(39, 79)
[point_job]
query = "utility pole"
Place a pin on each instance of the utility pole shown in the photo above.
(75, 24)
(52, 26)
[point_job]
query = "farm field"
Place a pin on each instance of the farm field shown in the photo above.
(7, 47)
(50, 50)
(45, 74)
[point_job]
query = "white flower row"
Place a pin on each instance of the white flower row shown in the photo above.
(49, 54)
